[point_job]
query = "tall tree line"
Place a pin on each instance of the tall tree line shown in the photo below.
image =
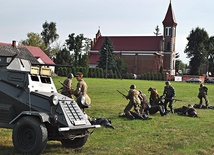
(200, 50)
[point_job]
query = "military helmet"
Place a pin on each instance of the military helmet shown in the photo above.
(132, 86)
(190, 106)
(167, 82)
(70, 75)
(150, 89)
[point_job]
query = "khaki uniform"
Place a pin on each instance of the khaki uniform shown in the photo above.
(144, 103)
(81, 91)
(134, 101)
(151, 109)
(154, 97)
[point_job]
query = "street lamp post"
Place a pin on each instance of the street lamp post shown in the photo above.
(106, 61)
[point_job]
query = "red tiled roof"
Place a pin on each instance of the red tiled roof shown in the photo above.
(38, 53)
(131, 43)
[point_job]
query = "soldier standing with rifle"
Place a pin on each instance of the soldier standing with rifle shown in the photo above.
(168, 94)
(67, 86)
(203, 90)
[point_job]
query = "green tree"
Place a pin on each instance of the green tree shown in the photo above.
(75, 44)
(179, 65)
(85, 50)
(196, 49)
(210, 47)
(63, 57)
(121, 66)
(87, 45)
(55, 49)
(106, 55)
(34, 39)
(49, 35)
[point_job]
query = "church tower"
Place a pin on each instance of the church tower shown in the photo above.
(169, 39)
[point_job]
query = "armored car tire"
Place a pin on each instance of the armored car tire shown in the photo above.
(77, 142)
(29, 136)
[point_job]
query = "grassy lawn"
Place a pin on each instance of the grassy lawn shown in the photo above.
(171, 134)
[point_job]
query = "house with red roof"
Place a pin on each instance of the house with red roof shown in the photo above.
(34, 54)
(143, 54)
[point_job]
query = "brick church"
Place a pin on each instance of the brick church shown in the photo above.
(143, 54)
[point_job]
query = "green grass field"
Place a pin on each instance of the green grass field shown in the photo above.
(167, 135)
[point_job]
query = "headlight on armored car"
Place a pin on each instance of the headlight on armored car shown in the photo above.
(54, 100)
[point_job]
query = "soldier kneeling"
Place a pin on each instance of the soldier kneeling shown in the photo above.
(134, 101)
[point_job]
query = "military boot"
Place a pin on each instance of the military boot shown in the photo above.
(207, 105)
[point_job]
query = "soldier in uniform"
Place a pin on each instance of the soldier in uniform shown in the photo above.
(134, 101)
(169, 94)
(67, 86)
(187, 111)
(154, 106)
(203, 90)
(154, 97)
(83, 100)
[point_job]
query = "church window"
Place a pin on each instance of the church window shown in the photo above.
(168, 31)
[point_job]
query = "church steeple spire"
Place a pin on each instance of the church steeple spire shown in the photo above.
(170, 17)
(169, 37)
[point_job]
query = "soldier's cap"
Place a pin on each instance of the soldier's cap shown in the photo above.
(79, 74)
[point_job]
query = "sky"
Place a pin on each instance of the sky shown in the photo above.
(112, 17)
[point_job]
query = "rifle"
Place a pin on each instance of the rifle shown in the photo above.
(177, 100)
(126, 89)
(121, 94)
(63, 84)
(172, 99)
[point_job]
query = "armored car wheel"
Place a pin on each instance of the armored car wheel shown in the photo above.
(29, 136)
(77, 142)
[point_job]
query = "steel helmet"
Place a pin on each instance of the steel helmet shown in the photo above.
(132, 86)
(201, 85)
(167, 82)
(70, 75)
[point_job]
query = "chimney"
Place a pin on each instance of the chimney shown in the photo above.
(14, 43)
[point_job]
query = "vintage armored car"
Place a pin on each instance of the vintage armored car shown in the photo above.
(31, 106)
